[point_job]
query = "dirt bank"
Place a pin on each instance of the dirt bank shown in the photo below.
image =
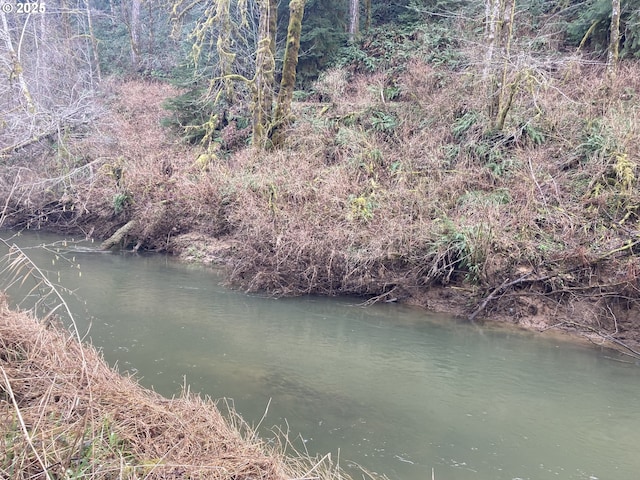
(64, 413)
(405, 200)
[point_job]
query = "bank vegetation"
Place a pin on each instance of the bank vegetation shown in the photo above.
(491, 175)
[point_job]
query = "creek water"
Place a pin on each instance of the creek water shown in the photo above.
(394, 389)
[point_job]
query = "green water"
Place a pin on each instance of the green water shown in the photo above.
(394, 389)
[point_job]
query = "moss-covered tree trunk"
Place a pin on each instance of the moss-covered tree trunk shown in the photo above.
(267, 100)
(500, 18)
(265, 74)
(507, 90)
(489, 77)
(223, 46)
(288, 82)
(367, 15)
(614, 39)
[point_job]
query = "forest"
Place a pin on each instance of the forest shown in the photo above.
(472, 157)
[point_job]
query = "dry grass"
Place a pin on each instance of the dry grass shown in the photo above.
(62, 418)
(373, 195)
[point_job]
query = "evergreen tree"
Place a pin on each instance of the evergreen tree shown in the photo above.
(323, 34)
(589, 25)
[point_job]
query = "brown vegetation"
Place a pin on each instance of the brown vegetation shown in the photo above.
(64, 413)
(392, 186)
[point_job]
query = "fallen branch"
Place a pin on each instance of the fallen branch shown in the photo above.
(606, 336)
(496, 291)
(378, 298)
(627, 248)
(117, 237)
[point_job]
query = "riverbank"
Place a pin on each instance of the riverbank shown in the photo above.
(65, 413)
(394, 198)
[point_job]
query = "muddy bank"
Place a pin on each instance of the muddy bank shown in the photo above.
(536, 234)
(65, 413)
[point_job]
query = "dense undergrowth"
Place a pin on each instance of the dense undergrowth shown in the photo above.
(392, 184)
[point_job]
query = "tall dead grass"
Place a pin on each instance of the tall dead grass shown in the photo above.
(60, 420)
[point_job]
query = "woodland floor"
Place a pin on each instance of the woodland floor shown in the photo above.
(536, 236)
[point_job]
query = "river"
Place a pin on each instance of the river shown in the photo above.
(394, 389)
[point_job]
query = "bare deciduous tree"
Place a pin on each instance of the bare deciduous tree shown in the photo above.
(49, 64)
(14, 63)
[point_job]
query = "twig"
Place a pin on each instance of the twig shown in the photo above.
(533, 176)
(377, 298)
(16, 181)
(264, 415)
(555, 325)
(626, 246)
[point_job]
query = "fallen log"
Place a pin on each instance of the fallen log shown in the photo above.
(117, 238)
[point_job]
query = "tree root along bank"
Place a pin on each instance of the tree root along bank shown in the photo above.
(62, 418)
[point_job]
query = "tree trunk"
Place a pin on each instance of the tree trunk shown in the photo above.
(288, 82)
(134, 33)
(118, 238)
(506, 36)
(354, 19)
(223, 46)
(267, 104)
(94, 42)
(492, 21)
(152, 10)
(16, 66)
(614, 39)
(367, 12)
(265, 74)
(499, 23)
(66, 20)
(273, 24)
